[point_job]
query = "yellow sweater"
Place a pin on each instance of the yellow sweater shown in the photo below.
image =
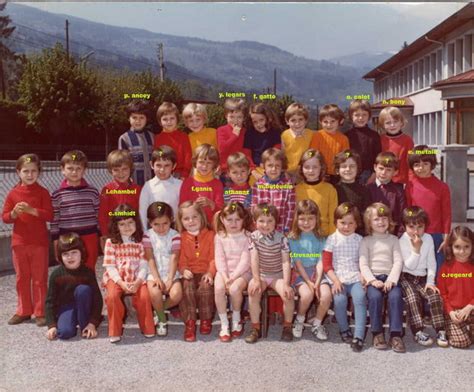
(325, 196)
(329, 145)
(204, 136)
(294, 147)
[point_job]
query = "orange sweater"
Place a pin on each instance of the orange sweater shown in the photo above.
(197, 252)
(329, 144)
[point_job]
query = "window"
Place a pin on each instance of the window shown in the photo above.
(421, 80)
(410, 78)
(439, 128)
(461, 121)
(450, 60)
(458, 56)
(467, 55)
(439, 58)
(415, 77)
(432, 68)
(426, 72)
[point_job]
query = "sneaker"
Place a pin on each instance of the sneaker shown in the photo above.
(16, 319)
(379, 342)
(237, 329)
(397, 344)
(115, 339)
(423, 338)
(40, 321)
(357, 345)
(224, 335)
(298, 329)
(286, 334)
(149, 336)
(253, 336)
(320, 332)
(162, 329)
(441, 339)
(347, 336)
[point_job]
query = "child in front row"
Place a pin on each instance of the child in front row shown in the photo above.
(238, 188)
(381, 263)
(418, 277)
(270, 264)
(28, 207)
(457, 287)
(232, 257)
(306, 245)
(341, 265)
(162, 245)
(197, 268)
(125, 273)
(74, 298)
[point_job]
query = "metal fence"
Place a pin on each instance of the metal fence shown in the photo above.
(50, 177)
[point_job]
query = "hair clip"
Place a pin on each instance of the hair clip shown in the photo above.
(73, 157)
(160, 153)
(28, 159)
(348, 154)
(158, 208)
(233, 206)
(311, 153)
(381, 210)
(410, 212)
(265, 210)
(387, 160)
(71, 238)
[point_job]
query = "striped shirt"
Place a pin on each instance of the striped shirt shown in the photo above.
(269, 248)
(238, 194)
(75, 209)
(163, 247)
(140, 145)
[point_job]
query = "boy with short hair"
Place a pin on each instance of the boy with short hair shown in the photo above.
(121, 190)
(138, 141)
(202, 187)
(238, 170)
(297, 138)
(168, 117)
(163, 186)
(433, 195)
(76, 206)
(329, 140)
(230, 137)
(385, 191)
(362, 139)
(195, 118)
(276, 188)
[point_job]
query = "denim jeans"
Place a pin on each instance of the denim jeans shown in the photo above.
(395, 307)
(357, 293)
(71, 315)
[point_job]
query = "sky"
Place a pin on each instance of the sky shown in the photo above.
(304, 29)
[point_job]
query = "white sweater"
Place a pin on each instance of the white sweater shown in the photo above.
(419, 264)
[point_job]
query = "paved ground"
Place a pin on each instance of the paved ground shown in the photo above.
(28, 361)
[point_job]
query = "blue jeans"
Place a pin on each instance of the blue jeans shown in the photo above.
(395, 307)
(357, 293)
(438, 239)
(71, 315)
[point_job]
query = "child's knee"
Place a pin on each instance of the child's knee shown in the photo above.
(82, 291)
(68, 332)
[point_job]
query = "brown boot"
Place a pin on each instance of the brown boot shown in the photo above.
(40, 321)
(253, 336)
(17, 319)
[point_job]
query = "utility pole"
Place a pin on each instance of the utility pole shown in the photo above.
(161, 61)
(2, 80)
(67, 38)
(275, 81)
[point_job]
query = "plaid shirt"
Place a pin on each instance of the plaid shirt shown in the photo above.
(279, 193)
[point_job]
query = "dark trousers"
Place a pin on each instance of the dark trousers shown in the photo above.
(71, 315)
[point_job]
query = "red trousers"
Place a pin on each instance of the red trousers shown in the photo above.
(31, 266)
(116, 309)
(91, 242)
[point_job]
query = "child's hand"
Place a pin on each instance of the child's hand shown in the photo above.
(256, 174)
(236, 130)
(454, 317)
(387, 286)
(228, 283)
(187, 274)
(416, 243)
(256, 287)
(378, 284)
(89, 332)
(464, 313)
(337, 287)
(363, 282)
(431, 287)
(19, 208)
(158, 282)
(52, 333)
(207, 277)
(134, 286)
(168, 284)
(205, 202)
(124, 286)
(288, 292)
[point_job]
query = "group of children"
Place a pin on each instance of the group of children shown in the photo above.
(238, 209)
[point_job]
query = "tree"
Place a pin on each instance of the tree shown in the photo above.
(5, 53)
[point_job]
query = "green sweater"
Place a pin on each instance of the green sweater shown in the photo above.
(62, 284)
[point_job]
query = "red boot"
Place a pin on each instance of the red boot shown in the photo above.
(190, 331)
(206, 327)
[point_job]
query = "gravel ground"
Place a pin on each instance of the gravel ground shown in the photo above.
(30, 362)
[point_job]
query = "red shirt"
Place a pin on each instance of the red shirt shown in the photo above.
(113, 194)
(399, 145)
(179, 142)
(456, 290)
(29, 229)
(228, 143)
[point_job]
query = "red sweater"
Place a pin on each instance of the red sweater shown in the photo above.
(197, 252)
(179, 142)
(228, 143)
(434, 197)
(113, 194)
(192, 189)
(399, 145)
(457, 291)
(29, 229)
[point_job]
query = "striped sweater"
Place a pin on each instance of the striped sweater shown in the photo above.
(75, 209)
(269, 248)
(140, 145)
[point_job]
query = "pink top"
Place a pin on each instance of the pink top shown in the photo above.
(232, 254)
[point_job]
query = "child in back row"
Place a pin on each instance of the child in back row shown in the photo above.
(329, 140)
(168, 117)
(195, 118)
(138, 141)
(232, 257)
(313, 187)
(163, 186)
(162, 245)
(306, 246)
(28, 207)
(238, 188)
(76, 206)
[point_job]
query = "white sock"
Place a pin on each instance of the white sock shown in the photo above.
(316, 322)
(300, 318)
(235, 316)
(224, 320)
